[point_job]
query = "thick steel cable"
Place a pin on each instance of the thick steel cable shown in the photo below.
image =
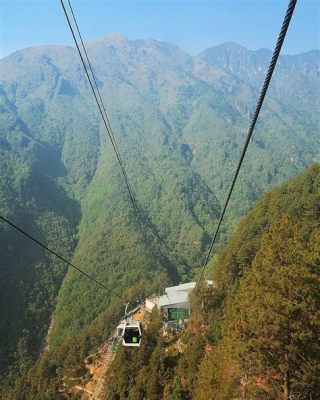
(107, 125)
(263, 92)
(60, 257)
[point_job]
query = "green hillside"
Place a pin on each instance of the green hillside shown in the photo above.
(180, 122)
(254, 335)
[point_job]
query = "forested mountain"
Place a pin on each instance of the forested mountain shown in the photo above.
(254, 334)
(180, 122)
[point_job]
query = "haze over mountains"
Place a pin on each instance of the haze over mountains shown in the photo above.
(180, 123)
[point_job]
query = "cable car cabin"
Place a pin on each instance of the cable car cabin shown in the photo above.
(130, 332)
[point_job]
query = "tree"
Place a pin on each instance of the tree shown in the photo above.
(273, 320)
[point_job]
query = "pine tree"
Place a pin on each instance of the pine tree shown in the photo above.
(273, 320)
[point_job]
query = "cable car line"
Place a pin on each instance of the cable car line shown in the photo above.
(107, 125)
(60, 257)
(97, 89)
(273, 62)
(131, 332)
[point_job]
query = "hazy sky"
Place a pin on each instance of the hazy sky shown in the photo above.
(193, 25)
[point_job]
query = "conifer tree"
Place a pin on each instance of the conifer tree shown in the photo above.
(273, 321)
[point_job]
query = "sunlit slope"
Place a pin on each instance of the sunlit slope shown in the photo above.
(259, 321)
(179, 121)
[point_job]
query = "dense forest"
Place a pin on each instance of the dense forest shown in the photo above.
(180, 122)
(255, 334)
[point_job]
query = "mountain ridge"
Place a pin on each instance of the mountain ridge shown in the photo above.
(180, 123)
(118, 38)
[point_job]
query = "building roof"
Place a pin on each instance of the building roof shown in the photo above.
(182, 287)
(173, 298)
(175, 295)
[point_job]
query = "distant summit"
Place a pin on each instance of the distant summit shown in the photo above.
(115, 38)
(219, 54)
(251, 65)
(180, 122)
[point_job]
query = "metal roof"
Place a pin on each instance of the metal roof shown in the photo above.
(182, 287)
(172, 298)
(176, 295)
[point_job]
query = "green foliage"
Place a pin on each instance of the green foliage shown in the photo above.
(270, 275)
(253, 335)
(137, 373)
(214, 328)
(179, 122)
(174, 391)
(276, 310)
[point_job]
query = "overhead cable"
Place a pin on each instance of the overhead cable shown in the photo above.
(95, 88)
(263, 92)
(60, 257)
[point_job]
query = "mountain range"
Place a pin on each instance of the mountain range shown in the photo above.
(180, 123)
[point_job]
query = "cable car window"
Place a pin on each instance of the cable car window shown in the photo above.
(131, 335)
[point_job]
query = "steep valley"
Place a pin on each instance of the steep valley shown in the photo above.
(180, 123)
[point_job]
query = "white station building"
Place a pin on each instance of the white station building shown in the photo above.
(175, 303)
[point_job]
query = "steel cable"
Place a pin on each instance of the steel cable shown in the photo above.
(60, 257)
(263, 92)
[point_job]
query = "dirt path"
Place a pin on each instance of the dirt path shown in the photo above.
(98, 387)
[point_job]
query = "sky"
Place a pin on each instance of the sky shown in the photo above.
(193, 25)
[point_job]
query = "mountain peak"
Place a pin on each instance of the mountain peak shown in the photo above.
(113, 37)
(231, 46)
